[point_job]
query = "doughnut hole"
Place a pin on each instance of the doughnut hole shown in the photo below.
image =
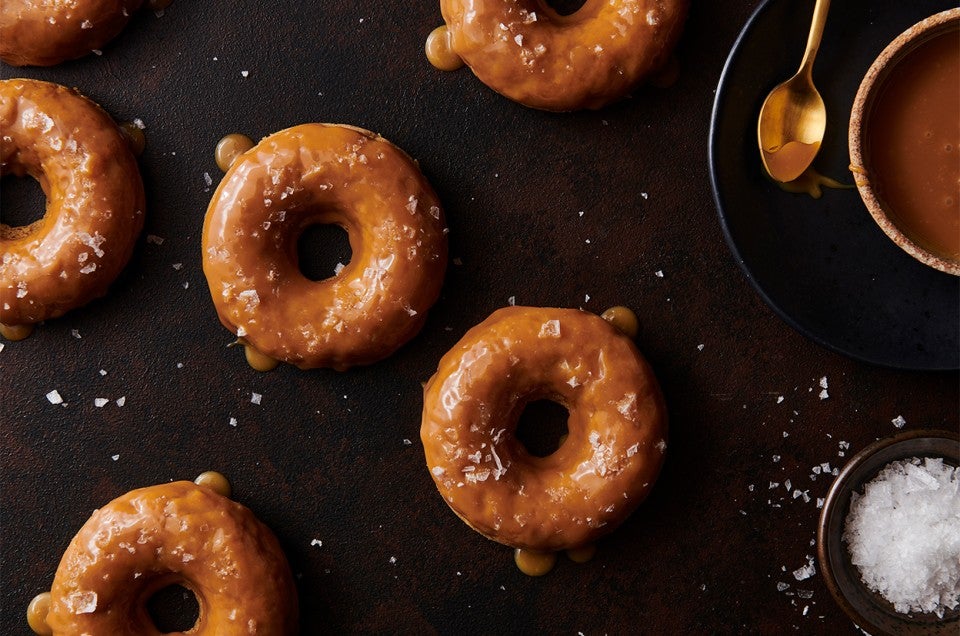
(542, 427)
(322, 249)
(173, 609)
(22, 201)
(565, 7)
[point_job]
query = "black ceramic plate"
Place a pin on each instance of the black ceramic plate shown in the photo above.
(823, 265)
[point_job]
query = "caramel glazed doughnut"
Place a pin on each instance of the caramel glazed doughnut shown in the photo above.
(324, 174)
(526, 51)
(175, 533)
(47, 32)
(95, 201)
(617, 428)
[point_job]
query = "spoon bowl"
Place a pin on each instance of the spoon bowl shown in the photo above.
(793, 117)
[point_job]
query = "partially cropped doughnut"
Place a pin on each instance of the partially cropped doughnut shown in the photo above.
(324, 174)
(606, 466)
(526, 51)
(173, 534)
(36, 33)
(95, 201)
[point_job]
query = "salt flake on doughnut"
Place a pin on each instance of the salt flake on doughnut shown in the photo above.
(321, 174)
(617, 428)
(526, 51)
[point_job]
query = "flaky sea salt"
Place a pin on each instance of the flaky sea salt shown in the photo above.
(903, 534)
(54, 397)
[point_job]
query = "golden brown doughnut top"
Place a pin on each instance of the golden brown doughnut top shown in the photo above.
(526, 51)
(95, 201)
(600, 473)
(45, 32)
(324, 174)
(175, 533)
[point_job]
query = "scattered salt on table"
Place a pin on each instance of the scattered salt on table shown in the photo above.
(903, 534)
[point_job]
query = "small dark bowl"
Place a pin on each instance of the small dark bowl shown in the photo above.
(866, 608)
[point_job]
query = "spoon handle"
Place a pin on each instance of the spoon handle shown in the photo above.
(813, 40)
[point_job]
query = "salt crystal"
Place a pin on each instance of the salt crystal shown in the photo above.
(824, 395)
(806, 571)
(233, 421)
(658, 273)
(256, 398)
(776, 458)
(393, 560)
(779, 399)
(699, 347)
(54, 397)
(782, 587)
(317, 542)
(114, 457)
(245, 73)
(903, 534)
(823, 382)
(100, 402)
(512, 301)
(898, 421)
(156, 240)
(75, 333)
(121, 400)
(103, 372)
(406, 442)
(177, 266)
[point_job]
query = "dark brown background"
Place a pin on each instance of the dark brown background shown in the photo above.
(325, 454)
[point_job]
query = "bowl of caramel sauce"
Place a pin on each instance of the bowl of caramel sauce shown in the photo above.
(905, 141)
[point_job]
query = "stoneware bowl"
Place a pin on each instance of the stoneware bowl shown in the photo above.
(870, 88)
(866, 608)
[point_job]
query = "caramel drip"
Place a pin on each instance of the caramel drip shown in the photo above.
(259, 361)
(533, 563)
(37, 612)
(439, 50)
(582, 554)
(15, 332)
(135, 137)
(812, 182)
(623, 319)
(231, 147)
(215, 481)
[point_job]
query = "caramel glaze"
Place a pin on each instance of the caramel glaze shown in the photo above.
(46, 33)
(529, 53)
(534, 563)
(37, 612)
(623, 319)
(229, 148)
(16, 332)
(811, 183)
(175, 533)
(617, 428)
(217, 482)
(95, 201)
(439, 51)
(316, 174)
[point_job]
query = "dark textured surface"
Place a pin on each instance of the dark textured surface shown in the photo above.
(324, 456)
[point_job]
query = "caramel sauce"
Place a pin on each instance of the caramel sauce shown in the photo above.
(231, 147)
(789, 161)
(623, 319)
(37, 612)
(913, 145)
(15, 332)
(440, 51)
(582, 554)
(135, 136)
(259, 361)
(812, 182)
(215, 481)
(533, 563)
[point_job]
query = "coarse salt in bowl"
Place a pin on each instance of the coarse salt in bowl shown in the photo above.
(902, 460)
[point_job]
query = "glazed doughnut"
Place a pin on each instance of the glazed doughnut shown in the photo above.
(45, 33)
(324, 174)
(173, 534)
(95, 201)
(526, 51)
(606, 466)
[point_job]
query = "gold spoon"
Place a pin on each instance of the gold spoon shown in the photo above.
(793, 117)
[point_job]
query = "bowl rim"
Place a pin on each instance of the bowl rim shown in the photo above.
(830, 506)
(899, 48)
